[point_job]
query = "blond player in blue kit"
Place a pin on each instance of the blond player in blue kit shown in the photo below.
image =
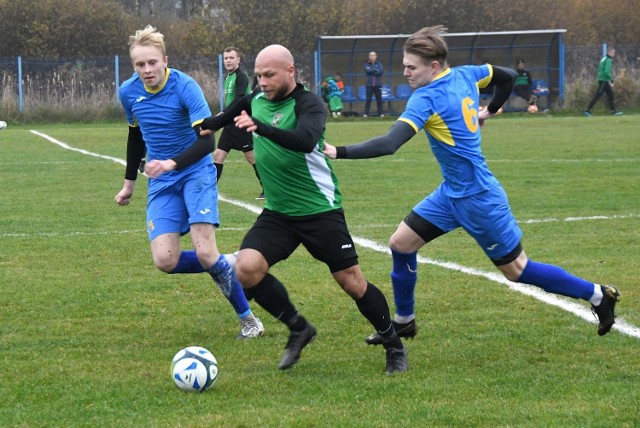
(164, 108)
(445, 104)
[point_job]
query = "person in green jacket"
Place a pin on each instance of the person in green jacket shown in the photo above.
(605, 83)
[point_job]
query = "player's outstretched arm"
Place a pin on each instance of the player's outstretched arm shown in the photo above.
(502, 80)
(226, 117)
(399, 133)
(310, 115)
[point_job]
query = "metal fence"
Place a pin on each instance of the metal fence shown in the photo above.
(74, 82)
(81, 82)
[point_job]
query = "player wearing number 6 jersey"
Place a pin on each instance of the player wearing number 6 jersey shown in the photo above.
(445, 104)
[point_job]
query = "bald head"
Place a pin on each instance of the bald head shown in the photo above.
(275, 54)
(275, 72)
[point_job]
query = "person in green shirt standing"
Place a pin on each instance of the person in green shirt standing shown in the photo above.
(236, 85)
(303, 206)
(605, 84)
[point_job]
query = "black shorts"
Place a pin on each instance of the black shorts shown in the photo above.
(235, 138)
(324, 235)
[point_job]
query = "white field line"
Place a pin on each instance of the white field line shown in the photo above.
(74, 149)
(141, 231)
(493, 160)
(552, 299)
(530, 221)
(238, 160)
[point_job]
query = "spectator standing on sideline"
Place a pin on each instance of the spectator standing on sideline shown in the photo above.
(236, 85)
(164, 108)
(374, 69)
(445, 104)
(605, 84)
(304, 205)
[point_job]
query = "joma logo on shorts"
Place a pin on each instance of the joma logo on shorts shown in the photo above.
(345, 246)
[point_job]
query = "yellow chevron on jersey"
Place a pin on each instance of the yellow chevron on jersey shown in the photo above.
(439, 130)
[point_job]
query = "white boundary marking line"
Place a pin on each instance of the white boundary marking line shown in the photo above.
(93, 233)
(533, 220)
(74, 149)
(568, 305)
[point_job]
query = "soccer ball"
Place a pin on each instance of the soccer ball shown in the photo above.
(3, 124)
(194, 369)
(532, 108)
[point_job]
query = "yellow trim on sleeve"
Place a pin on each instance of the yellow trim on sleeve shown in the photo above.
(413, 125)
(483, 83)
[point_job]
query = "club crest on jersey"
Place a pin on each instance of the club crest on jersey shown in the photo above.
(276, 119)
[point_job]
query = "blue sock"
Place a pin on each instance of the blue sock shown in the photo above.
(225, 277)
(403, 279)
(188, 263)
(554, 279)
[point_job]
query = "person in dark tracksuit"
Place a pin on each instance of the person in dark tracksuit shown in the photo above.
(374, 69)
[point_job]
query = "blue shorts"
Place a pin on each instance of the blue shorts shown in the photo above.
(486, 216)
(174, 205)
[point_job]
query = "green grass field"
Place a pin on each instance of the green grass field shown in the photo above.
(88, 325)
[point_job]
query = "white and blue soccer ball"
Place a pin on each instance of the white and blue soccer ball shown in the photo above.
(194, 369)
(3, 124)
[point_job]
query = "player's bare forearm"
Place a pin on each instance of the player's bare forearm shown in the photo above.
(123, 197)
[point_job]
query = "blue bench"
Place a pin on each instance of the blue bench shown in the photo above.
(539, 88)
(402, 93)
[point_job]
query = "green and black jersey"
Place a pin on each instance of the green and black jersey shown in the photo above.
(605, 69)
(236, 85)
(297, 177)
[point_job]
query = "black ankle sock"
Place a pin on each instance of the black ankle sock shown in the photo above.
(373, 305)
(273, 297)
(219, 167)
(391, 340)
(298, 323)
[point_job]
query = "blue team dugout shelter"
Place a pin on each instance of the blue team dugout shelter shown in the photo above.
(542, 50)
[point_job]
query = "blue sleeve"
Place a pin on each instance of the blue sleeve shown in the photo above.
(126, 107)
(195, 102)
(418, 110)
(482, 74)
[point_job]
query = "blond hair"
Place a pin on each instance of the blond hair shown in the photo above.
(148, 37)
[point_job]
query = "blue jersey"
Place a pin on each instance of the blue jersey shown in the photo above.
(447, 109)
(166, 116)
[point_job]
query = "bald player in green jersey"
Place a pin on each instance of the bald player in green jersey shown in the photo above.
(304, 205)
